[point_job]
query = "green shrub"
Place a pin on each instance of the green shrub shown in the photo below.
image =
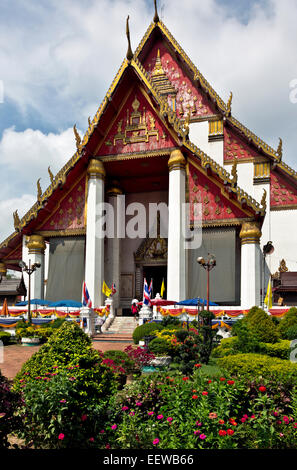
(9, 403)
(160, 347)
(227, 346)
(289, 320)
(145, 330)
(280, 349)
(67, 410)
(68, 346)
(121, 359)
(247, 338)
(261, 324)
(256, 365)
(170, 321)
(292, 332)
(5, 337)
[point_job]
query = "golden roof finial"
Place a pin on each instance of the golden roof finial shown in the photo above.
(77, 137)
(234, 171)
(89, 121)
(50, 174)
(158, 69)
(39, 191)
(263, 200)
(129, 51)
(156, 17)
(229, 103)
(16, 220)
(280, 149)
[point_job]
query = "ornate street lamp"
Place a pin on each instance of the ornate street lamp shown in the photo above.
(208, 264)
(268, 249)
(29, 270)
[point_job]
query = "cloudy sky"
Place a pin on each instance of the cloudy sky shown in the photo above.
(58, 58)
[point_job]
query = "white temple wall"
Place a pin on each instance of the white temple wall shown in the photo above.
(199, 136)
(284, 239)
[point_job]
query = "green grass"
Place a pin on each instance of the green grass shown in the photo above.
(211, 369)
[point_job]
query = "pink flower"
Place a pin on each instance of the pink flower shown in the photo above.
(114, 426)
(91, 439)
(102, 431)
(281, 434)
(198, 423)
(160, 417)
(169, 419)
(202, 436)
(196, 432)
(84, 417)
(138, 403)
(63, 401)
(132, 413)
(61, 436)
(156, 441)
(125, 408)
(150, 413)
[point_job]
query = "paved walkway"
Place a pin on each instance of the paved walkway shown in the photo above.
(15, 355)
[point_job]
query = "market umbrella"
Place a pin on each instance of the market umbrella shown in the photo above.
(66, 303)
(4, 311)
(33, 302)
(195, 302)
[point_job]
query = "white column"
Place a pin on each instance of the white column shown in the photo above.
(176, 258)
(36, 247)
(250, 264)
(113, 246)
(94, 263)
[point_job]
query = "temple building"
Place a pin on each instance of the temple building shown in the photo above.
(163, 136)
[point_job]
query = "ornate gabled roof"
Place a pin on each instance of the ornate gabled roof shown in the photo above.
(181, 129)
(197, 76)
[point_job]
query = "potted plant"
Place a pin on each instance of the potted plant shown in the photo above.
(29, 336)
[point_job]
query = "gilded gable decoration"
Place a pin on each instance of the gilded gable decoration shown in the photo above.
(77, 138)
(52, 178)
(39, 191)
(16, 220)
(138, 126)
(280, 149)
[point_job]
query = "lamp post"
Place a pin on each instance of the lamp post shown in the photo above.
(268, 249)
(208, 264)
(29, 270)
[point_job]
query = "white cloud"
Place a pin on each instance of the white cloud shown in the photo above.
(7, 207)
(25, 157)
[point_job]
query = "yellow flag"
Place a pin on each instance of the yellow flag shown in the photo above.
(268, 298)
(162, 288)
(106, 290)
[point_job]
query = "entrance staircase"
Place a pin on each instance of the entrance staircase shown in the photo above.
(120, 331)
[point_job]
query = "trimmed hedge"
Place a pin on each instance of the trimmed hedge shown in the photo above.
(258, 365)
(289, 321)
(226, 347)
(145, 330)
(5, 337)
(281, 349)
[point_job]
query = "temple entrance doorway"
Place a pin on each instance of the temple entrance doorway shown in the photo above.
(157, 274)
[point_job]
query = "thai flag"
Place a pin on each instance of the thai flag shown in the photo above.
(147, 293)
(113, 288)
(86, 297)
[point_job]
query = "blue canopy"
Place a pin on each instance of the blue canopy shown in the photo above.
(33, 301)
(195, 302)
(66, 303)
